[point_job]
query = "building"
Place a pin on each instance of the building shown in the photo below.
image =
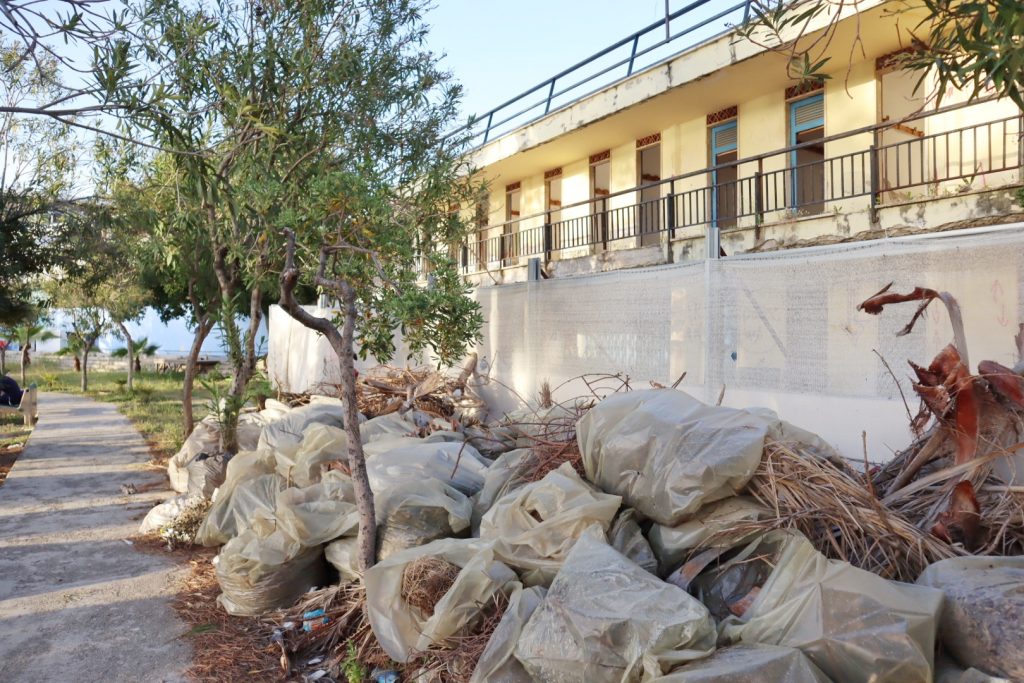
(712, 148)
(612, 184)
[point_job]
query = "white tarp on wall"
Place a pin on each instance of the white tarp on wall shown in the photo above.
(783, 327)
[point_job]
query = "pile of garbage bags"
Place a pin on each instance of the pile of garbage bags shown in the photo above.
(618, 575)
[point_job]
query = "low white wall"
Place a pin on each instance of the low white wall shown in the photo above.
(779, 330)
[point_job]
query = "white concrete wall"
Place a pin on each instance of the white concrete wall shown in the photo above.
(779, 330)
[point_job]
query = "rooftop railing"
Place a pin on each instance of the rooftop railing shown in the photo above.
(697, 22)
(899, 163)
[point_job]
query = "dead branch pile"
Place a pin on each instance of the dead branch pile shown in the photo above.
(387, 389)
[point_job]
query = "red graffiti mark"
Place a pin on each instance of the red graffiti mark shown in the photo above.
(997, 297)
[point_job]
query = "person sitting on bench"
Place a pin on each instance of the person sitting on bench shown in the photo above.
(10, 392)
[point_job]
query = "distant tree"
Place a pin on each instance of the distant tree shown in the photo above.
(37, 185)
(27, 334)
(140, 348)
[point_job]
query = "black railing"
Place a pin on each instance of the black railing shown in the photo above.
(767, 188)
(696, 23)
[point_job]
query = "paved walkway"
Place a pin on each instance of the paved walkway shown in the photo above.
(78, 603)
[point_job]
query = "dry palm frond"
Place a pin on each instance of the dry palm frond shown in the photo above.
(836, 509)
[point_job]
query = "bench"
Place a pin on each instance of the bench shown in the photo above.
(29, 406)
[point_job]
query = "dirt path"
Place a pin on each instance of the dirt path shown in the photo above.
(77, 602)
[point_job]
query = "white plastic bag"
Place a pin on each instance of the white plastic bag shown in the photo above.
(400, 628)
(667, 454)
(257, 573)
(397, 460)
(498, 664)
(749, 664)
(283, 436)
(163, 514)
(607, 620)
(534, 528)
(671, 544)
(239, 509)
(854, 625)
(319, 513)
(415, 513)
(321, 444)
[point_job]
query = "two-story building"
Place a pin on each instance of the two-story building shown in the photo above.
(711, 148)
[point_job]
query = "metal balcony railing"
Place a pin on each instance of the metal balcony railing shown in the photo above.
(697, 22)
(769, 188)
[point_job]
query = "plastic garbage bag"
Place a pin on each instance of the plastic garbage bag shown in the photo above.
(320, 445)
(257, 573)
(386, 427)
(163, 514)
(284, 435)
(498, 664)
(205, 438)
(504, 475)
(606, 620)
(667, 454)
(626, 537)
(236, 511)
(980, 624)
(206, 474)
(535, 527)
(671, 544)
(749, 664)
(319, 513)
(854, 625)
(415, 513)
(402, 629)
(343, 555)
(948, 671)
(396, 460)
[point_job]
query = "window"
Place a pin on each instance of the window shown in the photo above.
(723, 143)
(807, 128)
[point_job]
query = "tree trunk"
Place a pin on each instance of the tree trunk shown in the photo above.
(3, 360)
(131, 356)
(342, 343)
(356, 458)
(245, 368)
(85, 370)
(24, 363)
(78, 363)
(203, 329)
(138, 363)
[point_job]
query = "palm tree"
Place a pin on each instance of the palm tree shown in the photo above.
(25, 335)
(140, 347)
(73, 349)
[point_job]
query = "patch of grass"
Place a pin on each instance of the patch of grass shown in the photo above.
(153, 406)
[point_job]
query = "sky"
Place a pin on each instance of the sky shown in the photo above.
(499, 49)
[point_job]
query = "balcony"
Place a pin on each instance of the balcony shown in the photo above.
(862, 171)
